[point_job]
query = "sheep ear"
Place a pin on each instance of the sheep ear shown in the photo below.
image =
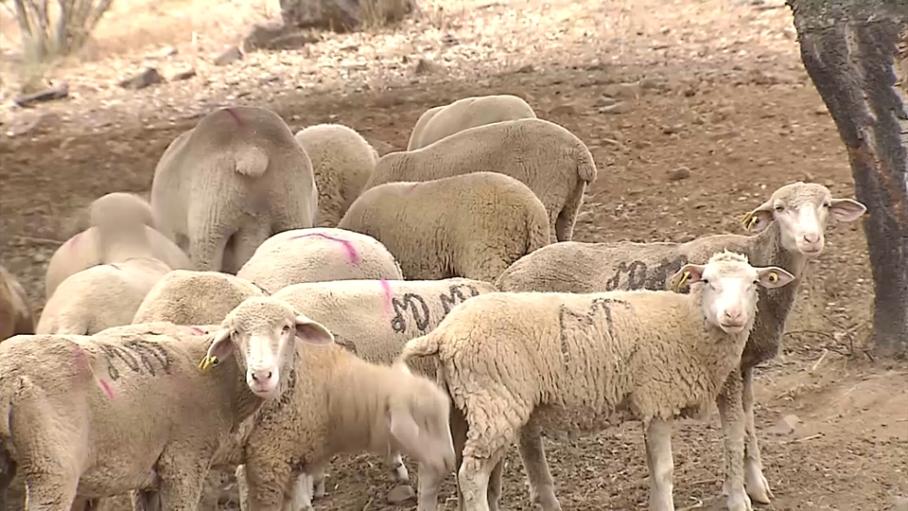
(758, 219)
(687, 275)
(773, 277)
(846, 210)
(312, 332)
(405, 431)
(220, 349)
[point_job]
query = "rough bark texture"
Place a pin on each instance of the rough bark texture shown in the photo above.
(343, 15)
(849, 50)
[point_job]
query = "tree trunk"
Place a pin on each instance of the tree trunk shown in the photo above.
(848, 48)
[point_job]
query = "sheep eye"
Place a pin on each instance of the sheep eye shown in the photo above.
(826, 204)
(285, 330)
(779, 208)
(705, 281)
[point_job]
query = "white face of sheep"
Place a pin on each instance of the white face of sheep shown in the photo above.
(263, 332)
(802, 210)
(729, 290)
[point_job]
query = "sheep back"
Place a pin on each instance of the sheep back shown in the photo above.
(188, 297)
(442, 121)
(473, 225)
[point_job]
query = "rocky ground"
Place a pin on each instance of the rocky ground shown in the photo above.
(694, 111)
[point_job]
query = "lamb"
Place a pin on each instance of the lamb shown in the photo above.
(342, 161)
(318, 254)
(473, 225)
(139, 413)
(549, 159)
(342, 404)
(442, 121)
(225, 186)
(16, 315)
(574, 361)
(187, 297)
(82, 251)
(789, 229)
(106, 295)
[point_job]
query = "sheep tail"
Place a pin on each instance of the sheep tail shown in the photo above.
(423, 346)
(586, 166)
(250, 161)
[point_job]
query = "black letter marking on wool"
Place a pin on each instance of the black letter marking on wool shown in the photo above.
(455, 295)
(138, 355)
(571, 321)
(641, 277)
(418, 309)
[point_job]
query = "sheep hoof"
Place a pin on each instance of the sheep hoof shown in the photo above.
(757, 485)
(738, 501)
(401, 494)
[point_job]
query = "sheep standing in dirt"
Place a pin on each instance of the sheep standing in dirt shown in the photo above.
(473, 225)
(339, 404)
(225, 186)
(342, 161)
(789, 228)
(575, 360)
(439, 122)
(109, 294)
(318, 254)
(549, 159)
(16, 315)
(187, 297)
(139, 414)
(84, 250)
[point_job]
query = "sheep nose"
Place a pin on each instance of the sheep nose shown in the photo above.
(734, 315)
(261, 375)
(812, 237)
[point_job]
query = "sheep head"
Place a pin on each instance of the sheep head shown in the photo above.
(262, 332)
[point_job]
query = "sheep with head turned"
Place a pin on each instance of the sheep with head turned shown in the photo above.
(441, 121)
(789, 229)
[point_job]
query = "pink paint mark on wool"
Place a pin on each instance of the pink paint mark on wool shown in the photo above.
(352, 254)
(389, 294)
(82, 361)
(196, 330)
(234, 115)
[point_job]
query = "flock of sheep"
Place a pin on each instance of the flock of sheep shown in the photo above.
(283, 299)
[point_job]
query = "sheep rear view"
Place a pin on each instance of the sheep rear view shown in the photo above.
(342, 161)
(472, 225)
(223, 187)
(441, 121)
(575, 360)
(187, 297)
(556, 165)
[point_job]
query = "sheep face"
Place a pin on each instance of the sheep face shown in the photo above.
(263, 331)
(418, 419)
(802, 210)
(727, 286)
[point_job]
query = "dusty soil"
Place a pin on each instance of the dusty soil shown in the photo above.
(723, 94)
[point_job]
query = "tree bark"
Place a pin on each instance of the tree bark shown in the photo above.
(848, 48)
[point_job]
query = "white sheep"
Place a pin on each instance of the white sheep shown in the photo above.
(318, 254)
(16, 316)
(473, 225)
(517, 363)
(186, 297)
(139, 413)
(225, 186)
(342, 161)
(789, 228)
(439, 122)
(554, 163)
(341, 404)
(83, 251)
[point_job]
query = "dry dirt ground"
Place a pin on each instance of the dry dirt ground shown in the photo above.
(723, 94)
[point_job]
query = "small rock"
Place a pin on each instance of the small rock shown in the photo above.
(59, 91)
(33, 123)
(150, 76)
(605, 101)
(678, 174)
(622, 90)
(426, 66)
(449, 40)
(184, 75)
(650, 83)
(230, 56)
(401, 494)
(167, 51)
(671, 130)
(821, 110)
(617, 108)
(526, 69)
(786, 425)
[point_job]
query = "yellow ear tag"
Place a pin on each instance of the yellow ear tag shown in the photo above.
(749, 220)
(207, 363)
(680, 283)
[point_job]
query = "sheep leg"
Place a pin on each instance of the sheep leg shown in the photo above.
(459, 439)
(473, 478)
(564, 222)
(49, 491)
(731, 413)
(754, 480)
(429, 482)
(301, 494)
(206, 249)
(242, 245)
(658, 438)
(532, 453)
(318, 483)
(398, 469)
(267, 481)
(495, 485)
